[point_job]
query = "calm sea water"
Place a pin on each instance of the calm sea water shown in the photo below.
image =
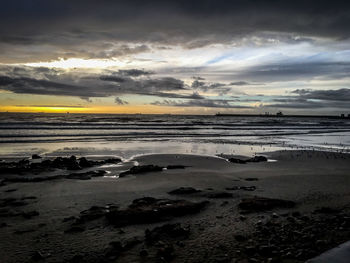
(126, 135)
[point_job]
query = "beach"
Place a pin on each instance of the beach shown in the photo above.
(288, 208)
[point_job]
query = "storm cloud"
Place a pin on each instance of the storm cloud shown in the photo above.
(315, 99)
(103, 29)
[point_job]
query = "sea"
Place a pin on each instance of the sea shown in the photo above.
(24, 134)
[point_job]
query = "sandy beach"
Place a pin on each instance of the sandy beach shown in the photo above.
(41, 220)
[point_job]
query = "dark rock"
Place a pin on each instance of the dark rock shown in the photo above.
(150, 210)
(142, 169)
(70, 163)
(326, 210)
(36, 156)
(240, 238)
(251, 179)
(244, 188)
(166, 252)
(176, 166)
(224, 203)
(184, 191)
(3, 225)
(29, 197)
(116, 247)
(296, 214)
(166, 232)
(10, 190)
(70, 218)
(83, 162)
(75, 229)
(262, 203)
(112, 161)
(29, 215)
(12, 202)
(236, 160)
(2, 182)
(77, 259)
(143, 253)
(93, 213)
(37, 255)
(248, 188)
(219, 195)
(256, 159)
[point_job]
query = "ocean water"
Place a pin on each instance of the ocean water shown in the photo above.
(23, 134)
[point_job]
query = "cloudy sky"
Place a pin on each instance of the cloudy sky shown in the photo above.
(180, 56)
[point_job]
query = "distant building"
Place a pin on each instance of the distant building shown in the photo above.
(342, 115)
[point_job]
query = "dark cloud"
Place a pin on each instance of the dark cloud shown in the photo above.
(119, 101)
(333, 95)
(135, 72)
(44, 81)
(243, 83)
(314, 99)
(291, 71)
(207, 103)
(220, 88)
(92, 28)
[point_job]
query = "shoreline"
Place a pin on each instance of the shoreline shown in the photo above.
(47, 220)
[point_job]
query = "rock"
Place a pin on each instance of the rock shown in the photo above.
(83, 162)
(112, 160)
(184, 191)
(261, 203)
(256, 159)
(244, 188)
(70, 163)
(251, 179)
(326, 210)
(219, 195)
(170, 167)
(142, 169)
(240, 238)
(10, 190)
(37, 255)
(115, 248)
(248, 188)
(233, 188)
(150, 210)
(242, 218)
(36, 156)
(70, 218)
(93, 213)
(236, 160)
(3, 225)
(166, 252)
(296, 214)
(31, 197)
(13, 202)
(75, 229)
(29, 215)
(275, 215)
(166, 232)
(143, 253)
(2, 182)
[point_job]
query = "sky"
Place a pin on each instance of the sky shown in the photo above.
(175, 57)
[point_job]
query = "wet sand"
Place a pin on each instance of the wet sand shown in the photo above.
(317, 182)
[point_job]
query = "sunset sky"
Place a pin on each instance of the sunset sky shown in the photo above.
(179, 57)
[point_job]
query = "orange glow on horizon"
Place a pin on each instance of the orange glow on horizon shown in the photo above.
(143, 109)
